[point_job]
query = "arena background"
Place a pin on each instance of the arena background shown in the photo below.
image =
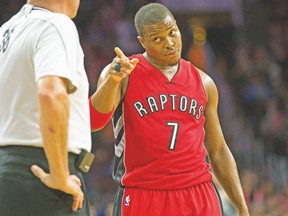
(243, 45)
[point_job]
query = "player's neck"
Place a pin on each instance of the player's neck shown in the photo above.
(168, 70)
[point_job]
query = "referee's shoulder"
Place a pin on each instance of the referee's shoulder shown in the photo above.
(58, 20)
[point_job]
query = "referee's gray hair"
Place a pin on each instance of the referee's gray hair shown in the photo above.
(150, 14)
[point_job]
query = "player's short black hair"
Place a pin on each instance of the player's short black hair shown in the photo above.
(150, 14)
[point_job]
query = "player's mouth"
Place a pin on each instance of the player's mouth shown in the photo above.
(172, 53)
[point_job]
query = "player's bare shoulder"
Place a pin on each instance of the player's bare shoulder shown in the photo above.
(208, 83)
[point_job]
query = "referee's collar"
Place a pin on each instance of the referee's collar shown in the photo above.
(40, 8)
(27, 8)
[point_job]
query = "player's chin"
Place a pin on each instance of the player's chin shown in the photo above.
(174, 61)
(174, 58)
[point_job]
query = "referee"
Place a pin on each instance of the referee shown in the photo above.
(44, 113)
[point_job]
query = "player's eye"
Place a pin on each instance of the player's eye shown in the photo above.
(156, 40)
(173, 32)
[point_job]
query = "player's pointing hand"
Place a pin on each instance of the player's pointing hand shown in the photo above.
(121, 66)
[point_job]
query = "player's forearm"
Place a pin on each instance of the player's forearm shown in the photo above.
(225, 170)
(54, 118)
(104, 98)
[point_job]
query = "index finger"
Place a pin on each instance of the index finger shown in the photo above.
(78, 200)
(120, 53)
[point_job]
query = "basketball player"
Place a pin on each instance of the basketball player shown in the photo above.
(44, 112)
(163, 114)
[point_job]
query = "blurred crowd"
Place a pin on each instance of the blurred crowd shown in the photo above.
(250, 69)
(259, 80)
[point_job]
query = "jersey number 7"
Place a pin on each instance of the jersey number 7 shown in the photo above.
(174, 134)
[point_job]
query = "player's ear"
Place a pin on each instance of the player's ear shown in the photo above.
(141, 41)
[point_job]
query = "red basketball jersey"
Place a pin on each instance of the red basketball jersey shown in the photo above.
(159, 129)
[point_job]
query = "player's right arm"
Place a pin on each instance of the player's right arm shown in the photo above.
(109, 89)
